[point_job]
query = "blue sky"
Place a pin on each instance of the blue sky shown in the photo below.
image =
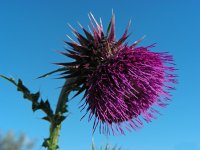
(31, 32)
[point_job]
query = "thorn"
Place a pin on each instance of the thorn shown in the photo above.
(94, 20)
(101, 24)
(57, 51)
(91, 23)
(71, 39)
(137, 42)
(71, 27)
(113, 12)
(90, 30)
(129, 23)
(80, 25)
(73, 30)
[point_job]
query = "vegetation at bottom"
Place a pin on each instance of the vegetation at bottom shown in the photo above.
(108, 147)
(10, 141)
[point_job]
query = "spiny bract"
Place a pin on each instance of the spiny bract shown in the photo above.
(122, 82)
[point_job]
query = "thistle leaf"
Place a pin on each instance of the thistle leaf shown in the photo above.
(46, 142)
(46, 118)
(33, 97)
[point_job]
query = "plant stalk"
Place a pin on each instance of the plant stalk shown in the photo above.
(61, 108)
(54, 136)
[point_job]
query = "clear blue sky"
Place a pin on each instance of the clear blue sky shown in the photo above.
(31, 31)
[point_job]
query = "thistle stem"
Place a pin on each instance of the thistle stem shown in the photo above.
(54, 135)
(63, 98)
(61, 108)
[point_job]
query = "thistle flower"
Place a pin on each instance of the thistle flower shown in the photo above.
(122, 83)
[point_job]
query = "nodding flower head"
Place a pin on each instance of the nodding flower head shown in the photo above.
(122, 83)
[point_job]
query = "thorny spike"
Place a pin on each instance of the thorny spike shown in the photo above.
(90, 30)
(112, 30)
(80, 25)
(91, 23)
(71, 39)
(96, 31)
(73, 30)
(101, 24)
(138, 41)
(95, 20)
(88, 35)
(124, 36)
(71, 27)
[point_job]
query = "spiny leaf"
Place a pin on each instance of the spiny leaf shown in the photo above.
(46, 142)
(45, 106)
(9, 79)
(33, 97)
(47, 118)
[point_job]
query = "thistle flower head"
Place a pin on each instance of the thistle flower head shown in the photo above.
(122, 82)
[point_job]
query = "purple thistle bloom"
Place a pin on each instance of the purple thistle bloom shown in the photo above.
(122, 83)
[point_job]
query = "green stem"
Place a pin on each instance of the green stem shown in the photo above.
(54, 135)
(61, 108)
(63, 98)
